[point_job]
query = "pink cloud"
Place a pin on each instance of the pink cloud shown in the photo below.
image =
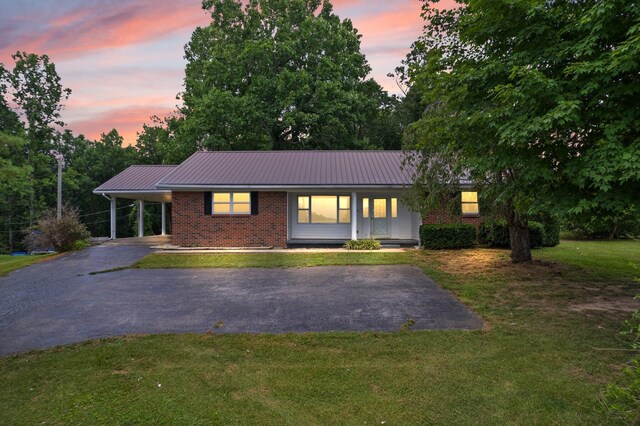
(128, 121)
(90, 28)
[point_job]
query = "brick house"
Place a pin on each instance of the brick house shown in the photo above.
(280, 198)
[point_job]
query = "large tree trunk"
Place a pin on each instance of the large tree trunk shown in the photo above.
(518, 235)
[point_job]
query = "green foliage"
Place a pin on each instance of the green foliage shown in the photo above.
(365, 244)
(536, 234)
(133, 220)
(552, 227)
(600, 224)
(157, 143)
(447, 236)
(494, 233)
(277, 75)
(62, 234)
(538, 102)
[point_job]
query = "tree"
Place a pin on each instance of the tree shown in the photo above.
(537, 101)
(15, 188)
(89, 164)
(35, 88)
(158, 144)
(275, 74)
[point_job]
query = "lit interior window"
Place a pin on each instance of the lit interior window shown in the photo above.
(470, 203)
(365, 208)
(304, 215)
(324, 209)
(231, 203)
(394, 208)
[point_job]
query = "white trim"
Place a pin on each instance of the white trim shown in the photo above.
(354, 216)
(140, 218)
(163, 220)
(112, 218)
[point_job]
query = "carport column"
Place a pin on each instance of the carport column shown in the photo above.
(164, 219)
(113, 218)
(140, 218)
(354, 216)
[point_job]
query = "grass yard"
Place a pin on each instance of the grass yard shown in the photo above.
(550, 346)
(271, 260)
(11, 263)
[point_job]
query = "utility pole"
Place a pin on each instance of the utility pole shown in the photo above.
(60, 159)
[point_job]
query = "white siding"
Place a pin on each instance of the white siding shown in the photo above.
(405, 226)
(315, 230)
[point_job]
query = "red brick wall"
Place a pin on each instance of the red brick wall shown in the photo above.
(193, 228)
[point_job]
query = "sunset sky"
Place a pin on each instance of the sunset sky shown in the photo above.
(123, 59)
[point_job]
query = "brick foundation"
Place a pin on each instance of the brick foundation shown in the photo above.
(193, 228)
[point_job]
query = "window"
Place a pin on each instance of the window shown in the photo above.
(470, 203)
(324, 209)
(394, 208)
(304, 207)
(365, 208)
(231, 203)
(344, 213)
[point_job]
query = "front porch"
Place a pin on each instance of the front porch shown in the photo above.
(328, 218)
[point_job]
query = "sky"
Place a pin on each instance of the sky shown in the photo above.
(123, 59)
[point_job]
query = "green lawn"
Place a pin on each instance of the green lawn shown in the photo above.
(540, 359)
(271, 260)
(605, 258)
(11, 263)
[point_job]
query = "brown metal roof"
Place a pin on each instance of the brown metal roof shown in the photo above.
(136, 179)
(288, 168)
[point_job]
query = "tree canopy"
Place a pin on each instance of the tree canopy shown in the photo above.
(538, 101)
(276, 74)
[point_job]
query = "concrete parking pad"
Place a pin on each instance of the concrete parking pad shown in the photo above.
(58, 302)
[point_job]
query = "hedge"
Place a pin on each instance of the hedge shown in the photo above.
(551, 230)
(496, 234)
(536, 235)
(447, 236)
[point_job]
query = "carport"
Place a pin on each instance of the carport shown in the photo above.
(137, 183)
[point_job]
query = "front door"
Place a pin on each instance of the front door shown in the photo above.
(380, 219)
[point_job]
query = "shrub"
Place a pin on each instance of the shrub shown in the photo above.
(447, 236)
(62, 234)
(551, 225)
(363, 245)
(601, 223)
(494, 234)
(536, 234)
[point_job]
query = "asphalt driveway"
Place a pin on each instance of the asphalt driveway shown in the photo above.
(59, 302)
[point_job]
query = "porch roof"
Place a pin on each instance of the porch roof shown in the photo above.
(138, 182)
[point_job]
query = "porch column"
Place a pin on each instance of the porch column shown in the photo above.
(113, 218)
(140, 218)
(164, 219)
(354, 216)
